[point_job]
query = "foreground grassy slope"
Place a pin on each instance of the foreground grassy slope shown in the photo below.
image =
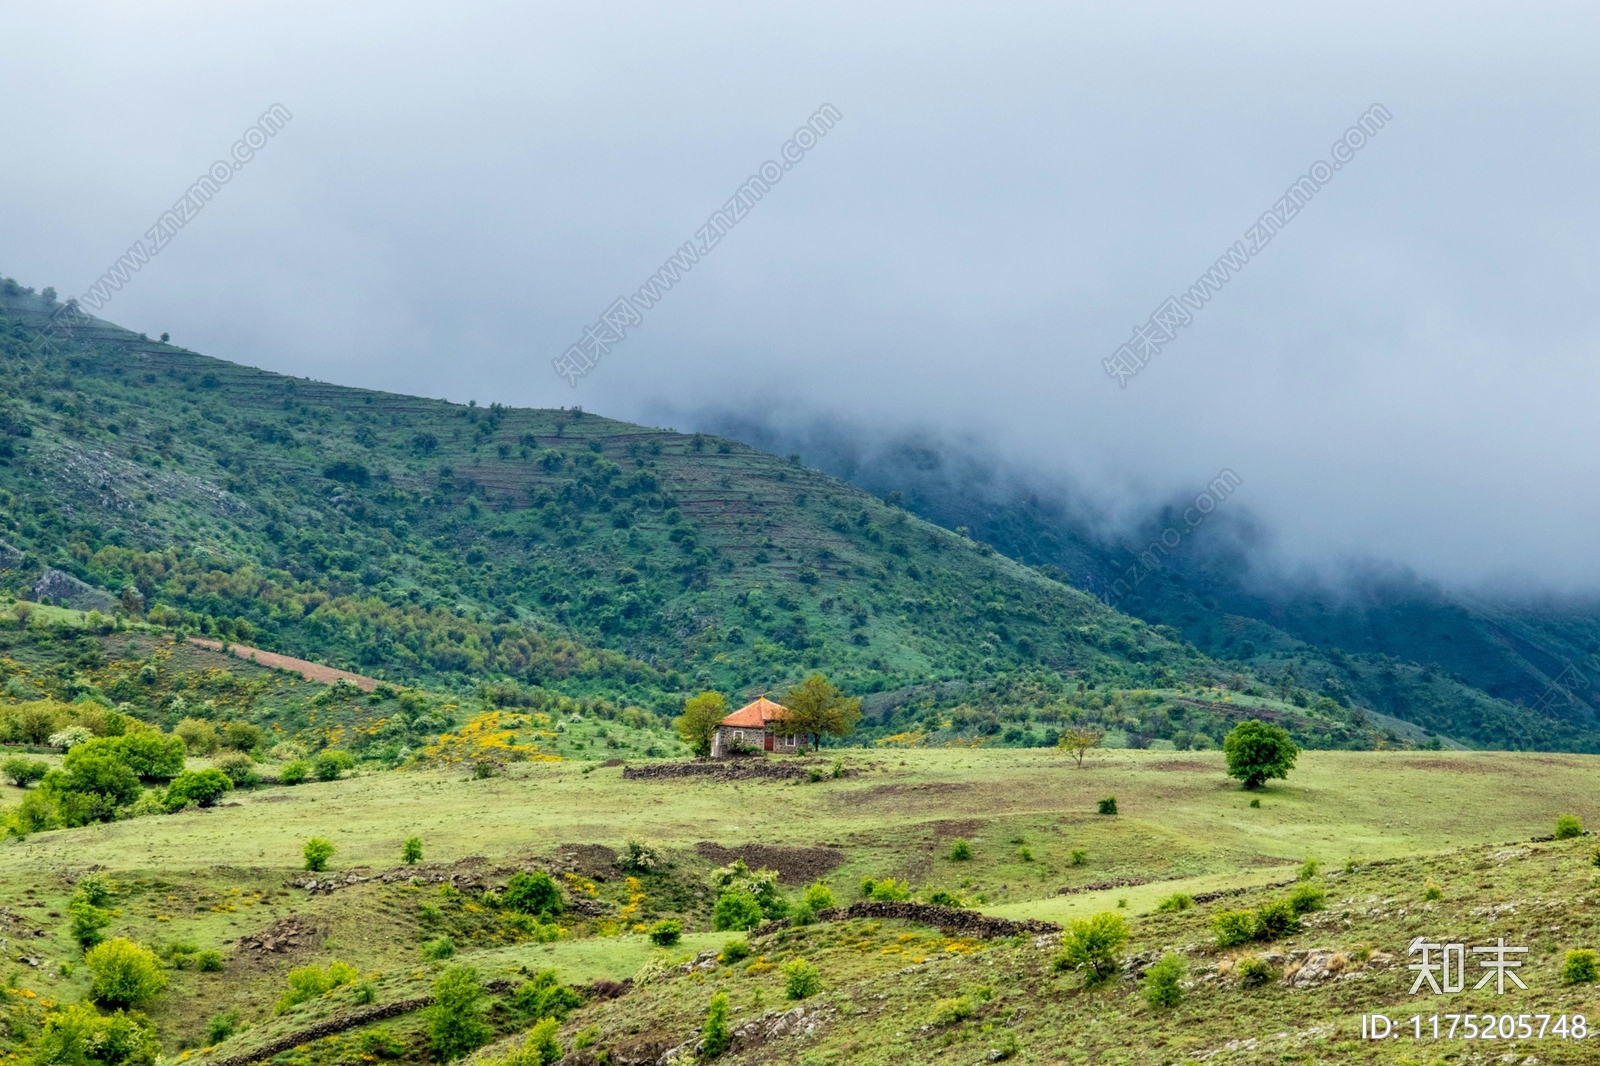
(209, 877)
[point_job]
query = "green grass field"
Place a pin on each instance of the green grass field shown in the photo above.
(1402, 818)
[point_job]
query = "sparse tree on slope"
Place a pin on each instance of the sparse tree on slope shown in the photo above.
(699, 720)
(815, 707)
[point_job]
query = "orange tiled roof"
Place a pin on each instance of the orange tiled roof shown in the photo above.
(756, 714)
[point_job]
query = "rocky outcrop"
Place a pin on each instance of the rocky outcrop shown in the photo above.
(62, 588)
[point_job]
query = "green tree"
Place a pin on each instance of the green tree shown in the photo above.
(24, 772)
(815, 707)
(714, 1033)
(1569, 826)
(125, 974)
(818, 896)
(200, 787)
(331, 764)
(318, 851)
(411, 851)
(736, 910)
(455, 1021)
(1092, 945)
(533, 893)
(699, 720)
(1078, 741)
(1258, 751)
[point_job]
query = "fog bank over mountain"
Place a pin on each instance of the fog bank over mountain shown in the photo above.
(1405, 371)
(962, 481)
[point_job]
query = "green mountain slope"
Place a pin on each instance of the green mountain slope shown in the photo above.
(1497, 674)
(415, 539)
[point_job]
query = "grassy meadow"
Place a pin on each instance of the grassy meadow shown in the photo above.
(1382, 824)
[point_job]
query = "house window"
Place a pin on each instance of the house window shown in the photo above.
(738, 736)
(788, 742)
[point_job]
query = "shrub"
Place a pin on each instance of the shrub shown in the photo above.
(199, 787)
(294, 772)
(330, 765)
(1276, 920)
(455, 1021)
(818, 896)
(1569, 826)
(208, 961)
(125, 974)
(439, 950)
(1256, 803)
(1107, 805)
(734, 950)
(1307, 898)
(1178, 901)
(240, 736)
(318, 851)
(533, 893)
(1309, 868)
(1254, 972)
(1091, 945)
(960, 851)
(1025, 853)
(87, 921)
(950, 1011)
(1581, 967)
(666, 933)
(546, 997)
(1163, 985)
(240, 769)
(1078, 857)
(1234, 928)
(736, 910)
(1432, 891)
(222, 1026)
(640, 856)
(24, 772)
(380, 1045)
(199, 737)
(539, 1048)
(800, 979)
(411, 851)
(1258, 751)
(888, 889)
(714, 1033)
(309, 982)
(365, 992)
(945, 899)
(79, 1036)
(93, 888)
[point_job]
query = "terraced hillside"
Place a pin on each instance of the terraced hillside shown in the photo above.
(417, 540)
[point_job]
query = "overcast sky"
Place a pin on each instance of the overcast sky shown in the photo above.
(1408, 370)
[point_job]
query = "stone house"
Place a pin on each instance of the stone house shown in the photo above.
(750, 729)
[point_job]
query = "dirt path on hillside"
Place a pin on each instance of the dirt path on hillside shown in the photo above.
(308, 670)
